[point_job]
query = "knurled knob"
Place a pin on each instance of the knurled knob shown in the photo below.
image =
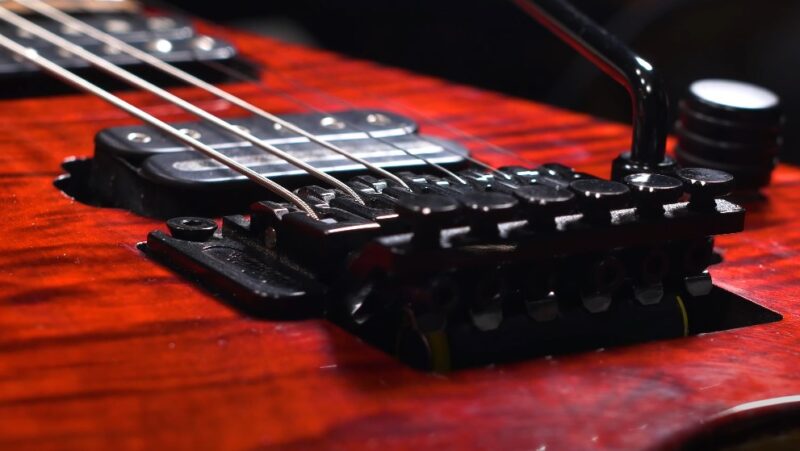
(731, 126)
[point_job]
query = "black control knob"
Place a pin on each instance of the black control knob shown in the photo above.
(705, 185)
(544, 203)
(652, 191)
(732, 126)
(598, 198)
(427, 214)
(487, 210)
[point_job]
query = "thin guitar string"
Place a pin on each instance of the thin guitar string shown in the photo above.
(118, 72)
(342, 101)
(111, 40)
(32, 56)
(114, 42)
(346, 103)
(182, 75)
(415, 112)
(259, 83)
(66, 19)
(296, 100)
(120, 45)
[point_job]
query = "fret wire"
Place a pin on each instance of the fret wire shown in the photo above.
(66, 19)
(130, 78)
(32, 56)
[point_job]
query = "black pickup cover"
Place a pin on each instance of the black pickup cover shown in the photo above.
(151, 174)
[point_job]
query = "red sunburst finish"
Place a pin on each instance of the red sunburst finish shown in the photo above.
(100, 347)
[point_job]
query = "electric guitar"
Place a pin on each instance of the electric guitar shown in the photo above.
(217, 240)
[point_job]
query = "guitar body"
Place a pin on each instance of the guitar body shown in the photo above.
(100, 347)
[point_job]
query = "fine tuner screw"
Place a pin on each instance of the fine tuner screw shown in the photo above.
(705, 185)
(652, 191)
(598, 198)
(544, 203)
(427, 214)
(487, 210)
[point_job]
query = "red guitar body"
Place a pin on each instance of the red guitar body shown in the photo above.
(102, 348)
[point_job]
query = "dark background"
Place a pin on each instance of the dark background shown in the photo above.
(492, 44)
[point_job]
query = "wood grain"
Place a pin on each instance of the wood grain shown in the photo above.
(101, 348)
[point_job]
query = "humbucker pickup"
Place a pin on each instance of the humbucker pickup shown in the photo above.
(151, 174)
(170, 38)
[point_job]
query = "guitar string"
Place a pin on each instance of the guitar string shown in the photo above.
(116, 71)
(110, 40)
(229, 71)
(33, 57)
(67, 20)
(348, 104)
(435, 122)
(99, 35)
(116, 43)
(235, 74)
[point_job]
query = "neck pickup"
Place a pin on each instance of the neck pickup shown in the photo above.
(170, 38)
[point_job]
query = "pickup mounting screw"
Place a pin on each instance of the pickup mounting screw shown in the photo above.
(331, 123)
(378, 119)
(141, 138)
(160, 46)
(204, 43)
(192, 133)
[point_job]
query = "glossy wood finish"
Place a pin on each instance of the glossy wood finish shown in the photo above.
(100, 347)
